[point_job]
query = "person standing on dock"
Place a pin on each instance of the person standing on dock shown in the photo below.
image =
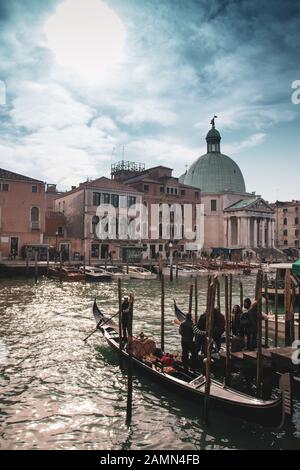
(186, 330)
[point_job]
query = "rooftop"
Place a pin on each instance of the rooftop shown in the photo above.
(10, 175)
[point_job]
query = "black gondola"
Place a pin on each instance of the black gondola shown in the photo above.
(270, 413)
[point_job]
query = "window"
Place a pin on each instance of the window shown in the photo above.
(162, 189)
(146, 188)
(296, 209)
(296, 221)
(175, 191)
(296, 242)
(60, 231)
(131, 201)
(172, 190)
(115, 200)
(196, 195)
(213, 205)
(35, 218)
(285, 232)
(285, 221)
(4, 187)
(285, 242)
(95, 250)
(285, 211)
(168, 190)
(297, 233)
(182, 192)
(106, 198)
(34, 188)
(96, 199)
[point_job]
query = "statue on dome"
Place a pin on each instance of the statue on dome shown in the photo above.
(213, 121)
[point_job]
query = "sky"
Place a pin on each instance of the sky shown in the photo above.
(85, 83)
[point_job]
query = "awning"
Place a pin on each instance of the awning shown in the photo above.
(296, 268)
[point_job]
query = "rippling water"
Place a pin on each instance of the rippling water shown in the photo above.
(58, 392)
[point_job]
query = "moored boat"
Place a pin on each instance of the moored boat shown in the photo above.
(94, 274)
(137, 272)
(183, 271)
(66, 273)
(269, 413)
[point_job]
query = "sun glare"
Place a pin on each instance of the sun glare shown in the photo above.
(86, 36)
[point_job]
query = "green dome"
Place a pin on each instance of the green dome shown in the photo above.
(213, 134)
(215, 173)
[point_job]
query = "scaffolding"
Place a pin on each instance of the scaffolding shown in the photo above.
(126, 167)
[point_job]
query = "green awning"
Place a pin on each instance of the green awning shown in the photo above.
(296, 268)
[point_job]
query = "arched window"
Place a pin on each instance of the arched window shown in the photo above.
(35, 217)
(285, 221)
(285, 232)
(296, 221)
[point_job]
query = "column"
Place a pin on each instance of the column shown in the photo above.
(229, 232)
(269, 233)
(273, 233)
(255, 233)
(226, 231)
(238, 235)
(263, 233)
(248, 239)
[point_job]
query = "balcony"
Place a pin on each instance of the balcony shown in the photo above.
(35, 225)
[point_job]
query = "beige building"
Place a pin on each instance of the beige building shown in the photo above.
(287, 226)
(79, 207)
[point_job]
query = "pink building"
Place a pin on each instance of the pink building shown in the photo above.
(22, 215)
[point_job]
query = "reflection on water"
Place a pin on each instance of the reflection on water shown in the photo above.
(58, 392)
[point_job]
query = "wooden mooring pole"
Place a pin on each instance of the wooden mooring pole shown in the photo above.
(287, 308)
(196, 300)
(36, 272)
(130, 376)
(27, 262)
(266, 311)
(259, 357)
(162, 320)
(47, 260)
(209, 330)
(227, 332)
(276, 309)
(191, 299)
(60, 266)
(120, 320)
(230, 296)
(241, 296)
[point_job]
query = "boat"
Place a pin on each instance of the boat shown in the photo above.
(183, 271)
(66, 273)
(270, 413)
(94, 274)
(136, 272)
(117, 272)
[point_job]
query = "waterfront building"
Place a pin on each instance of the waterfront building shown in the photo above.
(287, 226)
(22, 215)
(158, 186)
(235, 220)
(79, 237)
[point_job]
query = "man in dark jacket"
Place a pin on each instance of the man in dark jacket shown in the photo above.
(125, 310)
(187, 339)
(218, 330)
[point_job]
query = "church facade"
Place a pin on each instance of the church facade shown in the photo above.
(234, 218)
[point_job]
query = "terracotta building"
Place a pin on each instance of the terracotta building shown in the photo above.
(158, 187)
(22, 215)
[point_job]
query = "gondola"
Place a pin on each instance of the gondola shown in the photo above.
(270, 413)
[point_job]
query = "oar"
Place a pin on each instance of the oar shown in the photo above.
(106, 321)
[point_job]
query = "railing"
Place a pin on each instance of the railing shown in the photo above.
(35, 226)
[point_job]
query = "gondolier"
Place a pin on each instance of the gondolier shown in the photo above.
(186, 330)
(125, 314)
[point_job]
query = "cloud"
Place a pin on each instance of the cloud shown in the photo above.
(145, 111)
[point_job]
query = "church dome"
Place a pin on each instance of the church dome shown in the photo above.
(214, 172)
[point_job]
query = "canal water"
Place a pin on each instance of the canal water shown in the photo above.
(58, 392)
